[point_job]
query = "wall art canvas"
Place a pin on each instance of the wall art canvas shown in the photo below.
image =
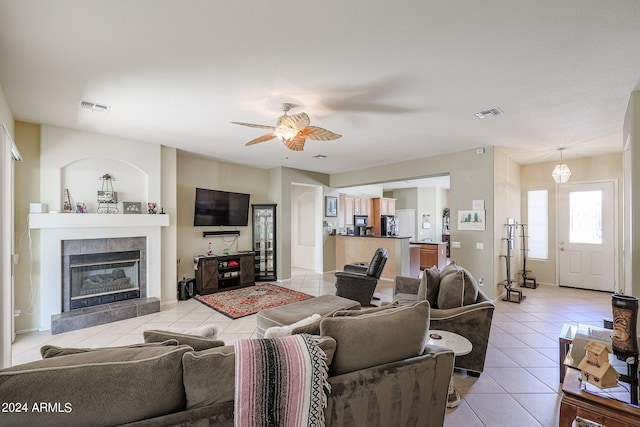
(471, 220)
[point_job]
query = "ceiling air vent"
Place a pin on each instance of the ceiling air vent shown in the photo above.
(86, 105)
(495, 111)
(320, 156)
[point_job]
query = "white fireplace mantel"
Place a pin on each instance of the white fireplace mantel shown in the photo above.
(54, 228)
(90, 220)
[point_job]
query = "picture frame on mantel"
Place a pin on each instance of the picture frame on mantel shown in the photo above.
(331, 206)
(132, 207)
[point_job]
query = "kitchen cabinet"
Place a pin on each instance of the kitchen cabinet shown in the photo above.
(387, 206)
(361, 205)
(433, 254)
(348, 211)
(381, 206)
(348, 206)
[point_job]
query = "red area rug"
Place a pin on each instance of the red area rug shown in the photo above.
(245, 301)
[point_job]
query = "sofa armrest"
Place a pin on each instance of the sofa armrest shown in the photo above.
(355, 268)
(406, 285)
(449, 313)
(411, 391)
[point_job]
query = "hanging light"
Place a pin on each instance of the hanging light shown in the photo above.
(561, 173)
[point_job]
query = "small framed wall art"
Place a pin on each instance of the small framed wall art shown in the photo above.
(331, 206)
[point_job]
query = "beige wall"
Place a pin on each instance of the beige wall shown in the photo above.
(169, 195)
(538, 177)
(472, 178)
(27, 242)
(507, 206)
(192, 172)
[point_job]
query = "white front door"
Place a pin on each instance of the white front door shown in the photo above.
(586, 235)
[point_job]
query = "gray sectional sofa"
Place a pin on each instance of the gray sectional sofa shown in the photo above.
(381, 372)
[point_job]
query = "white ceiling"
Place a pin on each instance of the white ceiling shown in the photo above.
(398, 79)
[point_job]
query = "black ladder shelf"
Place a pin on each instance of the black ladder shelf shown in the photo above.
(507, 258)
(526, 279)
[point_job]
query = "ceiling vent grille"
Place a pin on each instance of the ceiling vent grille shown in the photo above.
(495, 111)
(86, 105)
(320, 156)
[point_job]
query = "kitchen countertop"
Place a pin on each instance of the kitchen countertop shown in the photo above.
(428, 243)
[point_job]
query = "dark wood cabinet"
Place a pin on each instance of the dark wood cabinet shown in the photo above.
(433, 254)
(224, 272)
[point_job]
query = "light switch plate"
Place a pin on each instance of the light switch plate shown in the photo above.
(455, 244)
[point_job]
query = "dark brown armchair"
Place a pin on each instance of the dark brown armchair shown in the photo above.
(358, 282)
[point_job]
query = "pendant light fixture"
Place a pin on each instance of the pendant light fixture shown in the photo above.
(561, 173)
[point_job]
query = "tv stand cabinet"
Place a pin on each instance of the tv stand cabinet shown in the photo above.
(219, 273)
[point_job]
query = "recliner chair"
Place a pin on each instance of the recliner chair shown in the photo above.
(358, 282)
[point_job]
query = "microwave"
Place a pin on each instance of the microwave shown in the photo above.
(360, 220)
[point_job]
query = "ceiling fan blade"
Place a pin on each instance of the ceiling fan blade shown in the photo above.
(318, 133)
(296, 143)
(296, 122)
(253, 125)
(263, 138)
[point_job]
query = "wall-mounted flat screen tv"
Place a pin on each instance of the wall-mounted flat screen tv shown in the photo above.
(213, 207)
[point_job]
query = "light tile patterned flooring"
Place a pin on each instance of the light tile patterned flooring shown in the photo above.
(520, 383)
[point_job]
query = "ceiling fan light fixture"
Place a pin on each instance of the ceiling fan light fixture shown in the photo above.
(561, 172)
(285, 133)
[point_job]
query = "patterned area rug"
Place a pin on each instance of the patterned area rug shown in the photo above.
(245, 301)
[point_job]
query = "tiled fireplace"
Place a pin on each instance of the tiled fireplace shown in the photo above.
(118, 259)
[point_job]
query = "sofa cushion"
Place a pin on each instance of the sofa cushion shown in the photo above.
(110, 386)
(457, 288)
(429, 286)
(209, 375)
(196, 342)
(314, 327)
(48, 351)
(370, 310)
(377, 338)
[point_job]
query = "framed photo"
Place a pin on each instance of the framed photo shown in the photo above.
(152, 208)
(331, 206)
(132, 207)
(426, 221)
(471, 220)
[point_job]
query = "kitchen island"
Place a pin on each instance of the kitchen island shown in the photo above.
(360, 249)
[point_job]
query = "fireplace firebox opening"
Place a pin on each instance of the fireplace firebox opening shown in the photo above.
(103, 278)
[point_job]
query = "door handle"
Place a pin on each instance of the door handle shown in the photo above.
(562, 249)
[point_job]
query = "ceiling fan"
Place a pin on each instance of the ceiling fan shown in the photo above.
(292, 130)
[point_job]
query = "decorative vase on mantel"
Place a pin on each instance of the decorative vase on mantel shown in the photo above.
(624, 340)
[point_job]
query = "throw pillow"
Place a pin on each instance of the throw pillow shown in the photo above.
(377, 338)
(429, 286)
(281, 331)
(452, 267)
(196, 342)
(111, 386)
(48, 351)
(199, 369)
(457, 289)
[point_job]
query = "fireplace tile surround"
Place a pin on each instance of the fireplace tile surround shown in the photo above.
(57, 228)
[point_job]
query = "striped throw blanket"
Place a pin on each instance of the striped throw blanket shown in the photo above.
(280, 382)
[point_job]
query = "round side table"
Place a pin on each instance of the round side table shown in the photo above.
(460, 346)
